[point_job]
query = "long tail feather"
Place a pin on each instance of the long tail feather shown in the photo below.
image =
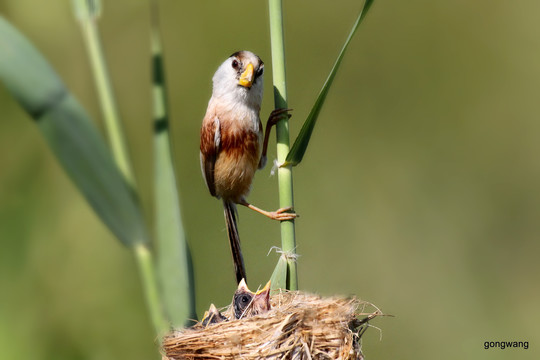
(234, 240)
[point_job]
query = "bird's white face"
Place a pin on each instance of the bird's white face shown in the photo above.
(239, 80)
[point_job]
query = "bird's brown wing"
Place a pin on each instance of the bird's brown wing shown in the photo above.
(210, 144)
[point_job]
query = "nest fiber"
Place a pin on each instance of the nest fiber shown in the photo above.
(299, 326)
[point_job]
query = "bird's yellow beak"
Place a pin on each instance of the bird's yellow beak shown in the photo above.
(264, 290)
(246, 79)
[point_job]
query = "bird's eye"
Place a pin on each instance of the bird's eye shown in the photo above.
(235, 64)
(245, 299)
(260, 71)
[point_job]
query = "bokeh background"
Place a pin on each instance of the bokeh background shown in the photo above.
(419, 191)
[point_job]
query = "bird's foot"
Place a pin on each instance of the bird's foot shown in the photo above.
(282, 214)
(277, 115)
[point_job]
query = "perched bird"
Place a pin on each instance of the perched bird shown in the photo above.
(247, 303)
(232, 143)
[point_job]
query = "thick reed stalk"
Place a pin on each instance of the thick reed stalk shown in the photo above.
(285, 181)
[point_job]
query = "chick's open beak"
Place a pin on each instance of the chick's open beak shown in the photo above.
(212, 316)
(265, 291)
(242, 287)
(261, 300)
(246, 79)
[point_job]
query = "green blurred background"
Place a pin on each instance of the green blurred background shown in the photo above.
(419, 191)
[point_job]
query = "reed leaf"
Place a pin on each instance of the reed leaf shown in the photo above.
(279, 276)
(296, 154)
(70, 134)
(175, 270)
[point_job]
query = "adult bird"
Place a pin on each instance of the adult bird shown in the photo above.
(232, 143)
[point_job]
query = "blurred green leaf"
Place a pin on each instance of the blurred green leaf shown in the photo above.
(71, 135)
(296, 154)
(87, 9)
(175, 269)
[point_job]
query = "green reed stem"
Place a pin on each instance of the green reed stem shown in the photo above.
(285, 180)
(88, 13)
(147, 268)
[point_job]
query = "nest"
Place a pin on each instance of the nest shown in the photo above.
(299, 326)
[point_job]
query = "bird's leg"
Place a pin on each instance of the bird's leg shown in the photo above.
(279, 214)
(273, 119)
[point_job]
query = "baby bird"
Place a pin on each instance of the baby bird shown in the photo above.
(247, 303)
(212, 316)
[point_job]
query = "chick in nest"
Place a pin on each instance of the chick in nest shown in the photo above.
(212, 316)
(298, 326)
(245, 304)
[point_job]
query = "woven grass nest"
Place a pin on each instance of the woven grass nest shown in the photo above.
(299, 326)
